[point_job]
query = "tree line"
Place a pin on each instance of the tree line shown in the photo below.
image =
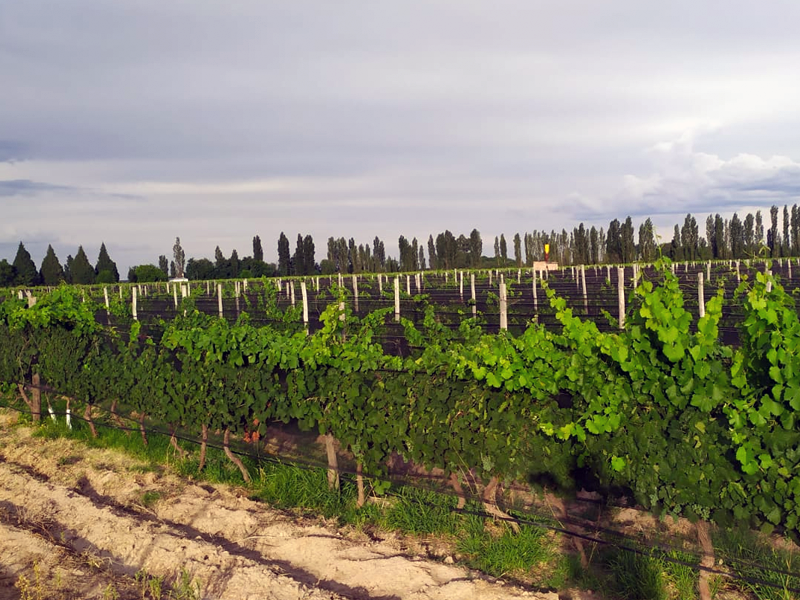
(733, 238)
(23, 272)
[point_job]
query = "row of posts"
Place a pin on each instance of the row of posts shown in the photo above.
(578, 273)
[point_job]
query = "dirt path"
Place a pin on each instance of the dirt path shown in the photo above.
(86, 512)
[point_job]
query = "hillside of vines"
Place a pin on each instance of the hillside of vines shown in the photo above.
(662, 410)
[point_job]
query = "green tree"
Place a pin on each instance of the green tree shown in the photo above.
(234, 262)
(503, 249)
(613, 243)
(163, 264)
(787, 238)
(299, 259)
(737, 237)
(720, 248)
(518, 249)
(773, 237)
(594, 246)
(51, 272)
(105, 267)
(749, 235)
(626, 234)
(147, 273)
(201, 269)
(81, 270)
(7, 273)
(68, 268)
(759, 231)
(675, 248)
(475, 248)
(647, 241)
(308, 255)
(26, 272)
(258, 250)
(179, 258)
(284, 256)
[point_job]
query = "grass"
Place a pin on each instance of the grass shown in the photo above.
(742, 550)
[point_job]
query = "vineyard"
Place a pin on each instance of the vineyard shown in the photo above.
(686, 401)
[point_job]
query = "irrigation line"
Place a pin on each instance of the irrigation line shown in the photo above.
(527, 520)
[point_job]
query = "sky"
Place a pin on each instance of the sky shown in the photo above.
(133, 122)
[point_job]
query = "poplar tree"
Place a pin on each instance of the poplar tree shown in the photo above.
(284, 255)
(179, 257)
(258, 251)
(308, 255)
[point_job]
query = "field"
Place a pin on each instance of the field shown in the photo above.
(687, 410)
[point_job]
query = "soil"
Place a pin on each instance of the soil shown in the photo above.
(78, 522)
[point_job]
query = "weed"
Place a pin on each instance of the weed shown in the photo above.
(150, 497)
(110, 592)
(636, 576)
(185, 588)
(32, 590)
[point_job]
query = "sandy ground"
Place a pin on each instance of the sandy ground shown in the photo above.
(81, 518)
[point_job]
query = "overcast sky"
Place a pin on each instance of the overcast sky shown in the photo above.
(136, 121)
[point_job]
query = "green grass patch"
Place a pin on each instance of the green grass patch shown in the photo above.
(749, 556)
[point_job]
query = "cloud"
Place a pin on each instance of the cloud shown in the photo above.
(684, 180)
(359, 119)
(26, 187)
(11, 150)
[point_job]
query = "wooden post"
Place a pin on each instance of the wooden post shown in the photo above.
(184, 291)
(608, 273)
(105, 295)
(461, 285)
(490, 278)
(535, 299)
(175, 295)
(397, 299)
(583, 287)
(621, 295)
(769, 280)
(708, 271)
(380, 284)
(738, 276)
(355, 291)
(519, 276)
(304, 293)
(789, 266)
(219, 299)
(472, 291)
(133, 303)
(503, 305)
(419, 282)
(701, 297)
(408, 284)
(36, 398)
(290, 285)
